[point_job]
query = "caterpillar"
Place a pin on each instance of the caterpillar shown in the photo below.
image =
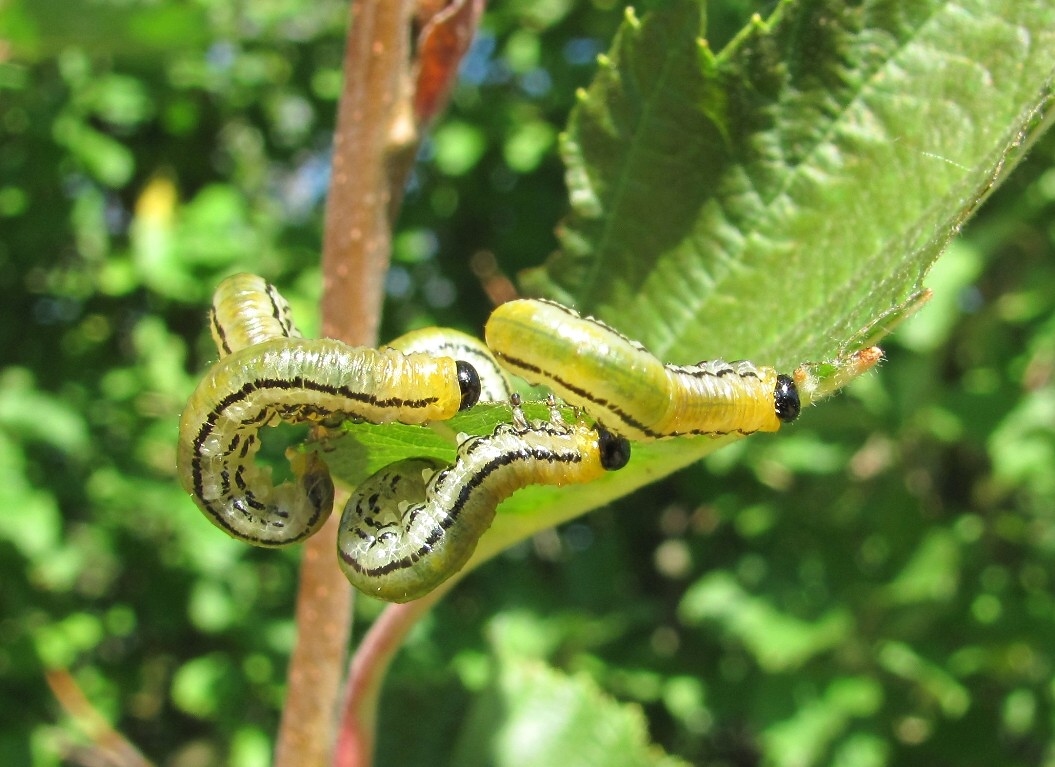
(624, 386)
(267, 375)
(412, 525)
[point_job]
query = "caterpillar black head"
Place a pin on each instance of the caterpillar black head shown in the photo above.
(614, 450)
(469, 383)
(786, 399)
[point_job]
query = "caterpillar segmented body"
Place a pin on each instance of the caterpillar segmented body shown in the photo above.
(412, 525)
(624, 386)
(267, 376)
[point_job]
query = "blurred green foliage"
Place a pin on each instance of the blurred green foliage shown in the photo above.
(873, 587)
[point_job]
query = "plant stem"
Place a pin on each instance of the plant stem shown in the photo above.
(108, 746)
(374, 138)
(323, 625)
(370, 132)
(355, 743)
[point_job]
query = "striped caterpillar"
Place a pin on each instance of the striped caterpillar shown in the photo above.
(265, 375)
(592, 366)
(247, 309)
(412, 525)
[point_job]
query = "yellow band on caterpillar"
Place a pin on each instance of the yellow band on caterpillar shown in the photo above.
(246, 310)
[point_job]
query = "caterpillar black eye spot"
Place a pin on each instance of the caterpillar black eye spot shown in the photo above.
(469, 383)
(614, 450)
(786, 399)
(495, 385)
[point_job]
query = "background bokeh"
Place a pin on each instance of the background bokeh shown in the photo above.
(872, 587)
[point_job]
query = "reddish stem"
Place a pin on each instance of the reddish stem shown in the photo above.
(108, 746)
(355, 743)
(324, 609)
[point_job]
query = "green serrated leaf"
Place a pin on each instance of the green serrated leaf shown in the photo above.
(769, 201)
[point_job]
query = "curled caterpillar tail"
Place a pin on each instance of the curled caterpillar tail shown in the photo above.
(246, 505)
(415, 523)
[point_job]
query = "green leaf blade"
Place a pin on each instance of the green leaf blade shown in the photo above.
(771, 201)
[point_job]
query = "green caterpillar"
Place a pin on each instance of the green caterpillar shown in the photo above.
(623, 385)
(412, 525)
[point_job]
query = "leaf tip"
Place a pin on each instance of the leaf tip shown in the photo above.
(818, 381)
